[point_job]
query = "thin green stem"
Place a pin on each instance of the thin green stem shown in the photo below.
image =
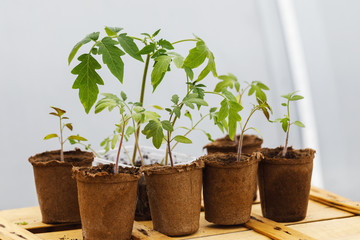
(142, 94)
(116, 167)
(239, 152)
(283, 154)
(185, 40)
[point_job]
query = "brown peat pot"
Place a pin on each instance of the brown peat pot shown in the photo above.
(55, 187)
(251, 143)
(107, 201)
(229, 187)
(285, 183)
(175, 197)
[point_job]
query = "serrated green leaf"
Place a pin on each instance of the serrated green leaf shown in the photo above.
(129, 46)
(160, 68)
(223, 84)
(114, 141)
(229, 95)
(92, 36)
(139, 109)
(87, 80)
(175, 99)
(77, 137)
(151, 115)
(182, 139)
(49, 136)
(111, 56)
(299, 124)
(69, 126)
(165, 44)
(196, 55)
(166, 124)
(147, 49)
(154, 130)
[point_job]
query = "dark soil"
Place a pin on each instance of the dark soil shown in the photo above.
(290, 153)
(106, 169)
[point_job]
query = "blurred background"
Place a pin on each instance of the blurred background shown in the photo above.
(307, 45)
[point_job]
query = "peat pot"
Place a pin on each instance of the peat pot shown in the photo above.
(55, 187)
(107, 201)
(175, 197)
(229, 187)
(284, 183)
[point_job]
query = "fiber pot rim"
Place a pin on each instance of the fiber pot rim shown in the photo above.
(226, 142)
(217, 160)
(301, 156)
(161, 169)
(125, 174)
(52, 158)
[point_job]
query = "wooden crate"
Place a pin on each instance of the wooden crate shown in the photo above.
(329, 217)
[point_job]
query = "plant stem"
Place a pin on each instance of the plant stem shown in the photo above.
(185, 40)
(283, 154)
(169, 150)
(116, 170)
(142, 94)
(61, 142)
(240, 145)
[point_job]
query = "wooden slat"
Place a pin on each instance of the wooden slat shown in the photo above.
(344, 228)
(334, 200)
(245, 235)
(316, 212)
(274, 230)
(10, 231)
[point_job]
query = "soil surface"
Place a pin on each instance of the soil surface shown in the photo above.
(249, 140)
(275, 153)
(106, 170)
(51, 158)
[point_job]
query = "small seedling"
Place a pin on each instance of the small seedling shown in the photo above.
(155, 128)
(285, 122)
(116, 44)
(60, 114)
(131, 114)
(228, 117)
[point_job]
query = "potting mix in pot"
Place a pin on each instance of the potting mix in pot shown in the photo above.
(110, 196)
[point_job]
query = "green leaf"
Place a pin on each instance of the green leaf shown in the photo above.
(87, 80)
(229, 95)
(237, 86)
(59, 111)
(177, 111)
(261, 85)
(147, 49)
(69, 126)
(165, 44)
(49, 136)
(224, 110)
(284, 104)
(178, 59)
(166, 124)
(154, 130)
(151, 115)
(130, 130)
(285, 124)
(296, 97)
(188, 114)
(112, 31)
(139, 109)
(111, 57)
(223, 84)
(157, 107)
(196, 55)
(128, 44)
(175, 99)
(123, 96)
(77, 137)
(182, 139)
(189, 72)
(114, 141)
(92, 36)
(299, 124)
(160, 68)
(156, 33)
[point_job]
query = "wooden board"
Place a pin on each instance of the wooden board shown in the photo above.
(330, 216)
